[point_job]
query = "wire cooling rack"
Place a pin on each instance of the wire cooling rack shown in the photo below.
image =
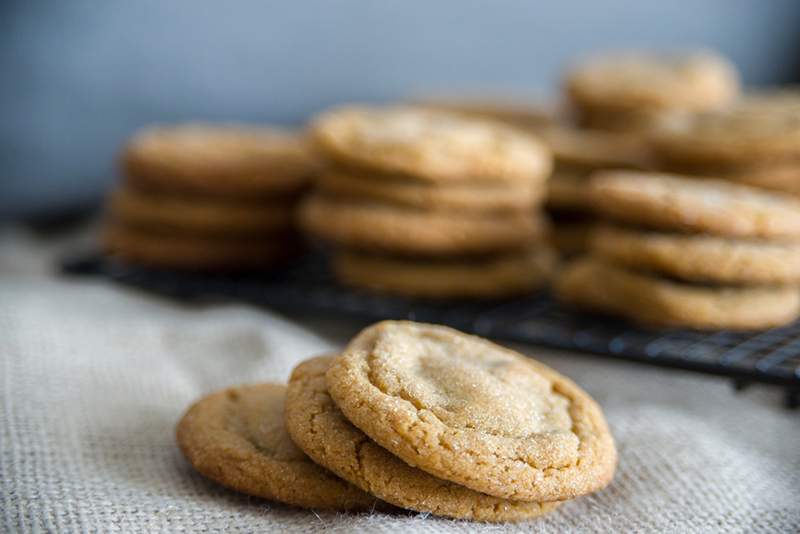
(771, 357)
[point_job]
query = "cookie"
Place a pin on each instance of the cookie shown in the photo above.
(635, 81)
(492, 277)
(600, 286)
(673, 202)
(237, 438)
(569, 191)
(740, 136)
(383, 227)
(196, 252)
(700, 258)
(204, 215)
(486, 196)
(228, 160)
(471, 412)
(428, 144)
(319, 428)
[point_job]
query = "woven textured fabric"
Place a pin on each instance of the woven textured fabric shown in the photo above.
(94, 378)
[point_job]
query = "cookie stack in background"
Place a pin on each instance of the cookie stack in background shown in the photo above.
(641, 92)
(681, 252)
(204, 197)
(410, 415)
(425, 203)
(755, 142)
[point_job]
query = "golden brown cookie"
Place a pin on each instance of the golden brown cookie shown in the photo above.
(485, 196)
(428, 144)
(228, 160)
(469, 411)
(319, 428)
(694, 81)
(700, 258)
(201, 214)
(237, 438)
(383, 227)
(196, 252)
(742, 135)
(600, 286)
(681, 203)
(494, 277)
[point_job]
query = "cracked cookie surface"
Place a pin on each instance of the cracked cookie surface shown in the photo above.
(471, 412)
(237, 438)
(318, 426)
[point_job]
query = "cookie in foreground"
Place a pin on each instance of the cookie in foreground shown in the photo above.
(237, 438)
(322, 431)
(469, 411)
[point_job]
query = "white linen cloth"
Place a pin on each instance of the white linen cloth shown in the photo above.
(94, 377)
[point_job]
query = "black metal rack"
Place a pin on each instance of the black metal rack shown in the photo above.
(771, 357)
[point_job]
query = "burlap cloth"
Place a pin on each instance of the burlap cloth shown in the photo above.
(95, 376)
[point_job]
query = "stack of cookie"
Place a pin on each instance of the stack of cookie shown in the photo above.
(640, 92)
(704, 254)
(756, 142)
(208, 197)
(426, 203)
(416, 416)
(578, 153)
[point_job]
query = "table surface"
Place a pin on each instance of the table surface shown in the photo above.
(95, 376)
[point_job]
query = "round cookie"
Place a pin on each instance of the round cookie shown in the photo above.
(204, 215)
(227, 160)
(196, 252)
(486, 196)
(700, 258)
(383, 227)
(237, 438)
(428, 144)
(694, 81)
(319, 428)
(681, 203)
(741, 136)
(469, 411)
(494, 277)
(596, 285)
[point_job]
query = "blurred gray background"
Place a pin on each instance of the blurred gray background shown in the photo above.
(77, 77)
